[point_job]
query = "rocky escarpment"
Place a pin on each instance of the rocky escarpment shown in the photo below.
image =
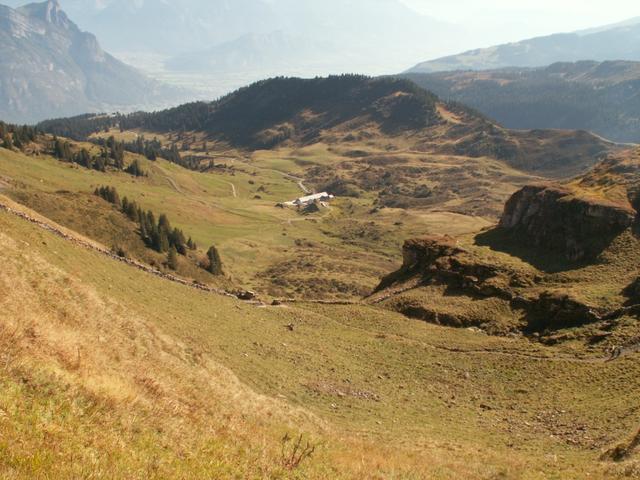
(439, 260)
(467, 282)
(557, 220)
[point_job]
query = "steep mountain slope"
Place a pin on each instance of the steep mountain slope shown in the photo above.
(209, 31)
(177, 26)
(48, 68)
(599, 97)
(616, 42)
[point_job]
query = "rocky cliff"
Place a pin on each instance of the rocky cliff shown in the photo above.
(556, 219)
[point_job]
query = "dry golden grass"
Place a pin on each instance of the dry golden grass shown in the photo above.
(109, 374)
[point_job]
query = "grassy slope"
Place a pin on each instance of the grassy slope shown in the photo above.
(348, 248)
(91, 345)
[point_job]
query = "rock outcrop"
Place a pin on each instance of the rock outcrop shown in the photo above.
(555, 219)
(424, 251)
(438, 260)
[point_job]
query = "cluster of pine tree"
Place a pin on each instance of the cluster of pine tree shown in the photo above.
(110, 194)
(149, 148)
(135, 169)
(61, 149)
(158, 234)
(111, 155)
(14, 136)
(81, 127)
(112, 150)
(152, 149)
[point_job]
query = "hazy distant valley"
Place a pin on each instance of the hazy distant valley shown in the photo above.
(213, 48)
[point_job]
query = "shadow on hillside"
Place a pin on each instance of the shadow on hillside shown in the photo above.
(519, 246)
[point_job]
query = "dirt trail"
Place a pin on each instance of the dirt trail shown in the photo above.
(303, 188)
(233, 190)
(174, 185)
(298, 180)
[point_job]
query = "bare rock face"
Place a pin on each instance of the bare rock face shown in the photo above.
(555, 219)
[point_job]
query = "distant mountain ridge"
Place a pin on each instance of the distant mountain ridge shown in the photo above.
(210, 31)
(614, 42)
(267, 53)
(600, 97)
(49, 67)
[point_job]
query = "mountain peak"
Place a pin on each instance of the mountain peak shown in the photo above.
(49, 12)
(52, 10)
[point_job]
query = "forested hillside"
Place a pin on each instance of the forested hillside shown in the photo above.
(351, 109)
(599, 97)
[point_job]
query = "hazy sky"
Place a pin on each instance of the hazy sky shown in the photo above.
(508, 20)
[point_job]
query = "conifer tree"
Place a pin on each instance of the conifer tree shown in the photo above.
(214, 262)
(163, 242)
(175, 154)
(62, 150)
(178, 241)
(99, 164)
(7, 142)
(83, 158)
(163, 223)
(172, 259)
(135, 169)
